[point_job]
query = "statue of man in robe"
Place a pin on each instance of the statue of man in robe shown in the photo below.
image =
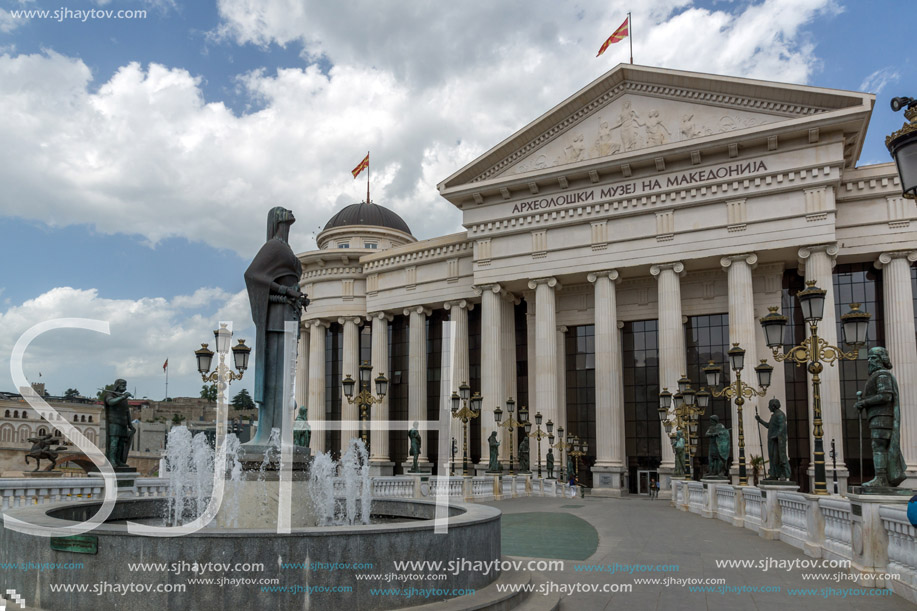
(776, 442)
(718, 456)
(272, 281)
(880, 400)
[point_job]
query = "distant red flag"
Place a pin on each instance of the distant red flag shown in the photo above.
(165, 365)
(620, 34)
(362, 166)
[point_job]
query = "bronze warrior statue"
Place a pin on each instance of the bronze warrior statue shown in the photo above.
(776, 442)
(718, 454)
(42, 450)
(880, 400)
(118, 428)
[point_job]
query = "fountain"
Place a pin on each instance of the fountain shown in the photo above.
(267, 553)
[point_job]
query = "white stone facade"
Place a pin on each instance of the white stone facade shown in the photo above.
(650, 194)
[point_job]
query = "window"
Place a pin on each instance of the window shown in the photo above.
(82, 418)
(372, 245)
(707, 339)
(398, 388)
(16, 414)
(343, 245)
(90, 418)
(643, 433)
(6, 414)
(797, 384)
(42, 431)
(76, 418)
(334, 356)
(579, 348)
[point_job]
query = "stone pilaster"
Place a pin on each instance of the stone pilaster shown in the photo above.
(302, 367)
(899, 340)
(380, 458)
(492, 383)
(743, 328)
(317, 384)
(417, 372)
(350, 366)
(609, 392)
(460, 369)
(818, 261)
(546, 364)
(672, 362)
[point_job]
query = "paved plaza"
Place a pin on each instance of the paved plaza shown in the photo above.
(638, 531)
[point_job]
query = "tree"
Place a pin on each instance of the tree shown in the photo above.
(243, 400)
(209, 392)
(71, 393)
(177, 418)
(101, 393)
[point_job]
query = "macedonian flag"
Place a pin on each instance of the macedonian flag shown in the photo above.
(362, 166)
(620, 34)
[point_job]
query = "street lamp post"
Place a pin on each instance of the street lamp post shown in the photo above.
(222, 375)
(740, 391)
(510, 424)
(539, 434)
(364, 398)
(563, 447)
(580, 449)
(812, 352)
(687, 406)
(902, 145)
(461, 411)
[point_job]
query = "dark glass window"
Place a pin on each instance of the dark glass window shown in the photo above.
(434, 380)
(857, 283)
(474, 366)
(334, 355)
(641, 396)
(522, 354)
(797, 384)
(707, 339)
(366, 348)
(398, 388)
(579, 349)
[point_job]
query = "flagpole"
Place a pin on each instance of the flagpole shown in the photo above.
(167, 379)
(630, 36)
(367, 177)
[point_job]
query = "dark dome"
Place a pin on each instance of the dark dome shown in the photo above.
(367, 214)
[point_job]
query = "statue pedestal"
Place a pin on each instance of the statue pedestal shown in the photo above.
(869, 541)
(263, 458)
(381, 467)
(125, 476)
(35, 474)
(770, 520)
(424, 467)
(608, 481)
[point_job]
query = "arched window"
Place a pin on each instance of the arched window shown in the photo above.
(6, 433)
(82, 418)
(91, 435)
(42, 431)
(23, 434)
(90, 418)
(6, 414)
(76, 418)
(16, 414)
(25, 415)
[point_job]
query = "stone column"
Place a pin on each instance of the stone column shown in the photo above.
(458, 313)
(546, 367)
(380, 462)
(317, 384)
(492, 383)
(609, 392)
(899, 340)
(302, 367)
(672, 363)
(818, 261)
(561, 377)
(743, 328)
(508, 343)
(417, 376)
(350, 366)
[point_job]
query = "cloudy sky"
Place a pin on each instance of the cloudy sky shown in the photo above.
(139, 156)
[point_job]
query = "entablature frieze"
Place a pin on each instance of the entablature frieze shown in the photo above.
(462, 248)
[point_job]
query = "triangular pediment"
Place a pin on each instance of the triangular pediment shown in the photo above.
(633, 110)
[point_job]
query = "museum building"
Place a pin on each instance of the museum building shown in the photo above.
(620, 241)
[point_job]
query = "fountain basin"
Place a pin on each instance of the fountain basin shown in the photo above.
(265, 569)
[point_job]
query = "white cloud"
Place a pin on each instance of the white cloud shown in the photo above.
(144, 333)
(425, 86)
(876, 82)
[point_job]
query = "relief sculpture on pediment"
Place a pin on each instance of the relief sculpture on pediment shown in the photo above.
(626, 125)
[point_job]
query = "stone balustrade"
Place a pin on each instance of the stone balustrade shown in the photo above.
(25, 491)
(869, 535)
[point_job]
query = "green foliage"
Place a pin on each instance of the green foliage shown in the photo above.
(242, 400)
(177, 418)
(71, 393)
(101, 393)
(209, 392)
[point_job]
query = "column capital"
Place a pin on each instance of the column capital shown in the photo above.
(422, 310)
(318, 322)
(480, 288)
(620, 324)
(357, 320)
(676, 266)
(562, 328)
(380, 315)
(806, 251)
(611, 274)
(750, 259)
(551, 282)
(886, 257)
(511, 297)
(460, 304)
